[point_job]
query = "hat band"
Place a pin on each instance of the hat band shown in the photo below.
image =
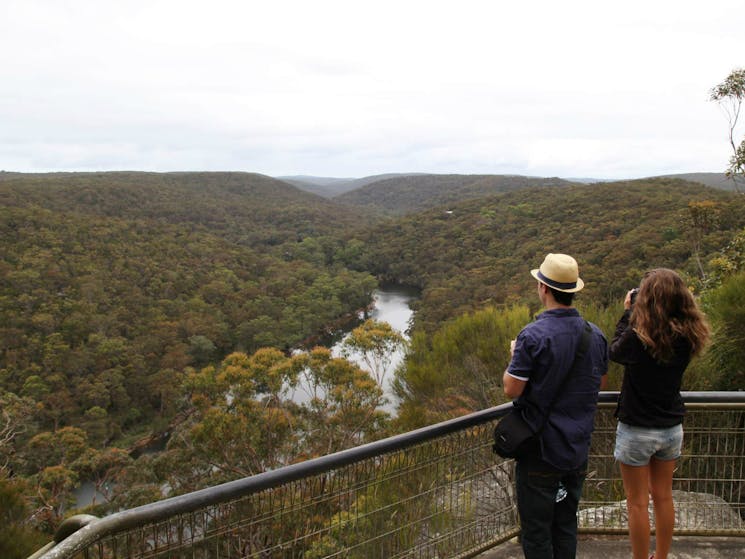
(556, 284)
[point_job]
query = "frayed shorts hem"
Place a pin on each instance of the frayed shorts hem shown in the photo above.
(635, 446)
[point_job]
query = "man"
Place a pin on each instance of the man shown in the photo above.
(551, 471)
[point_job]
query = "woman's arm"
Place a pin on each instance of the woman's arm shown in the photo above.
(620, 349)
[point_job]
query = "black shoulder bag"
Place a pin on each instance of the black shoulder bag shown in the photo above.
(512, 432)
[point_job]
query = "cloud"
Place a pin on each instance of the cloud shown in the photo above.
(349, 89)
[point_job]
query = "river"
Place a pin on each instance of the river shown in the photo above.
(391, 304)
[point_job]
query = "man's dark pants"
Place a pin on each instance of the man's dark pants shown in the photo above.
(548, 529)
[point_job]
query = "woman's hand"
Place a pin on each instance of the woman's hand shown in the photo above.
(627, 300)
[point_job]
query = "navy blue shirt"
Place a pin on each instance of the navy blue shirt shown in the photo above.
(544, 352)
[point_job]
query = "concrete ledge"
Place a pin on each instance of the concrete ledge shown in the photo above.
(614, 547)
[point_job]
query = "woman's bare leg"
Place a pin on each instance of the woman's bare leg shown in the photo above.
(661, 489)
(636, 482)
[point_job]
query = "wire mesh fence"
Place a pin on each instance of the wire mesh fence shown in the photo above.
(439, 492)
(709, 479)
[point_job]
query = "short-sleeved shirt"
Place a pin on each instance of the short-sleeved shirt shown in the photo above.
(650, 392)
(544, 352)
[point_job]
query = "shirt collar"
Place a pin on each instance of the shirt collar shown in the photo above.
(558, 313)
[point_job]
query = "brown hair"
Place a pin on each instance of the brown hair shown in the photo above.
(665, 310)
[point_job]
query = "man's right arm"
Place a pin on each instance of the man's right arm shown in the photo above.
(513, 386)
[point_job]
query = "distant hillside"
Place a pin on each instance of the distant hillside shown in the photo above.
(241, 207)
(112, 284)
(333, 187)
(412, 193)
(715, 180)
(329, 187)
(480, 251)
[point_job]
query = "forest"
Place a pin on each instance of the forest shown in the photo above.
(153, 327)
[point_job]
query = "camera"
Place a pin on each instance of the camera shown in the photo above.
(634, 293)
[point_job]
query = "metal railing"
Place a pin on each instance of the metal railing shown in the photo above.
(436, 492)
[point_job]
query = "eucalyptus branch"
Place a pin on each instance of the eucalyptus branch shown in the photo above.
(730, 94)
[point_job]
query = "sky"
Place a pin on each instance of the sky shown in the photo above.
(576, 89)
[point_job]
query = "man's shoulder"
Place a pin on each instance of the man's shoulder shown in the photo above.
(550, 325)
(534, 329)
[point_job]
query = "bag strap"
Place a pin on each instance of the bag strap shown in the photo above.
(584, 343)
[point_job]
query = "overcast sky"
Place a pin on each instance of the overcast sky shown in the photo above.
(350, 88)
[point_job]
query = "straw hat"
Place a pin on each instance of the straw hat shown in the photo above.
(560, 272)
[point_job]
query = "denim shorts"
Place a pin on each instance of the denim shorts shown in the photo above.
(636, 445)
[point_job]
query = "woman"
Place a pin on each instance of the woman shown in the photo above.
(655, 340)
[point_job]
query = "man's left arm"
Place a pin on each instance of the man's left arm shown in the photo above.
(604, 376)
(604, 382)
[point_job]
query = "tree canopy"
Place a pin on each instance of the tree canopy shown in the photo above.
(135, 305)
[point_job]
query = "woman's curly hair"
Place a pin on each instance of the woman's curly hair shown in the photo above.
(665, 311)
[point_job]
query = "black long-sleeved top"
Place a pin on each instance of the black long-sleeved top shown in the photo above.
(650, 393)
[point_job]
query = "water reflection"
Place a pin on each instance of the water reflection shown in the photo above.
(391, 304)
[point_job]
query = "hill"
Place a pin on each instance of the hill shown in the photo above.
(242, 207)
(113, 284)
(330, 187)
(384, 196)
(479, 251)
(715, 180)
(412, 193)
